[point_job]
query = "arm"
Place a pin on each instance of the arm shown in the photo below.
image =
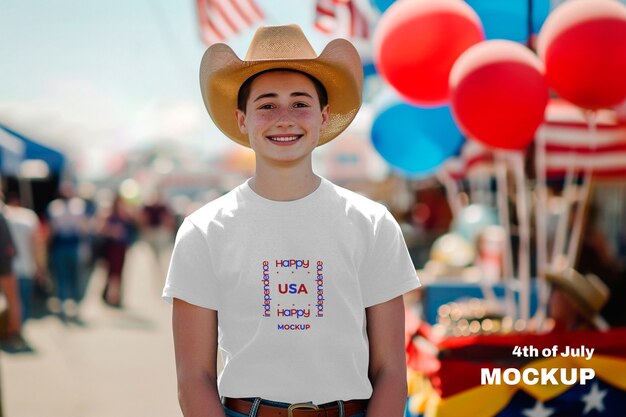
(195, 345)
(387, 371)
(8, 285)
(38, 242)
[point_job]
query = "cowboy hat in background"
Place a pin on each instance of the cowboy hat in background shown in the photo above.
(338, 68)
(588, 293)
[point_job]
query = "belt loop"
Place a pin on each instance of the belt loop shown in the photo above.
(255, 407)
(342, 412)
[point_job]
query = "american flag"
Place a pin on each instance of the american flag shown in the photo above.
(458, 390)
(345, 18)
(568, 145)
(221, 19)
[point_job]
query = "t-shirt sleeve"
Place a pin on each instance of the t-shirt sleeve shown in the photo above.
(387, 270)
(190, 276)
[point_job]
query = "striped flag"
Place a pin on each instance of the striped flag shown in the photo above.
(222, 19)
(569, 142)
(345, 18)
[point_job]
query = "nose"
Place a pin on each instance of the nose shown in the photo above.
(284, 118)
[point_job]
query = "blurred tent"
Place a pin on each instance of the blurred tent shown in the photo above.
(11, 153)
(29, 168)
(27, 150)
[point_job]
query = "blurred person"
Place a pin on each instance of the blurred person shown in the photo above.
(301, 279)
(157, 222)
(596, 256)
(576, 301)
(8, 281)
(8, 285)
(89, 249)
(116, 230)
(68, 223)
(431, 217)
(28, 263)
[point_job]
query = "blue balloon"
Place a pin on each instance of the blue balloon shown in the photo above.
(541, 10)
(502, 19)
(369, 69)
(416, 140)
(508, 19)
(383, 5)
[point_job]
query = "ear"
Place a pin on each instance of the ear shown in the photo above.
(325, 116)
(241, 121)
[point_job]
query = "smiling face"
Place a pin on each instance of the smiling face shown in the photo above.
(283, 118)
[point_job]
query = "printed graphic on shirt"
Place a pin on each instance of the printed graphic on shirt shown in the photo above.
(293, 292)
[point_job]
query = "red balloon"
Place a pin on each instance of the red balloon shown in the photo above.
(499, 93)
(583, 46)
(416, 43)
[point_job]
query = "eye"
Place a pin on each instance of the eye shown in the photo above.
(266, 106)
(301, 105)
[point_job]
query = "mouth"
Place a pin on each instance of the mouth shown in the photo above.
(284, 139)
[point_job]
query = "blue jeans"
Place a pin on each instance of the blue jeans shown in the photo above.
(27, 287)
(65, 267)
(231, 413)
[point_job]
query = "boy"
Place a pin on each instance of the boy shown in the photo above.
(299, 282)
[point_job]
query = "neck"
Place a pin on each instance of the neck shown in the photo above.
(284, 183)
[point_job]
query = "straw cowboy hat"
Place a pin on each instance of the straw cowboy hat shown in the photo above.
(338, 68)
(588, 291)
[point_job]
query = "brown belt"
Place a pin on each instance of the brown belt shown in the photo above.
(297, 410)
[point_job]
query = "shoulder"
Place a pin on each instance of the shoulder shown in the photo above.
(22, 215)
(357, 205)
(216, 210)
(30, 215)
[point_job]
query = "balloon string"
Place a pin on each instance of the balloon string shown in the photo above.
(523, 263)
(581, 210)
(452, 191)
(505, 221)
(569, 195)
(541, 215)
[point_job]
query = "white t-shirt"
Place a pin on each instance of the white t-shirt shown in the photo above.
(23, 223)
(291, 281)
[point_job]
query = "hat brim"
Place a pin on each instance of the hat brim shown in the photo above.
(338, 68)
(589, 298)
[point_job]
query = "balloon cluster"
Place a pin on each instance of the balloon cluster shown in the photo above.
(440, 59)
(583, 46)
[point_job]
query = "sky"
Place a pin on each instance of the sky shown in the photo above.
(93, 77)
(89, 77)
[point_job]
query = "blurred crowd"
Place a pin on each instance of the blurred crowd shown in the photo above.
(48, 258)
